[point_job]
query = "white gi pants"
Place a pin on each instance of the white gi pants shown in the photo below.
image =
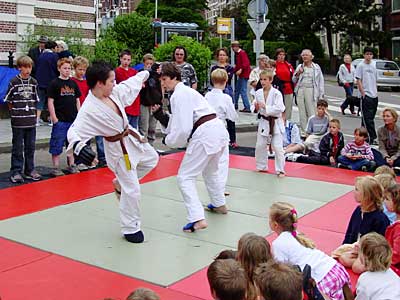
(262, 148)
(306, 104)
(129, 210)
(211, 166)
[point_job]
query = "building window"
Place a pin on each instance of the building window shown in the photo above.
(395, 5)
(396, 48)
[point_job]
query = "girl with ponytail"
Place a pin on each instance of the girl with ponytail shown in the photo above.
(295, 248)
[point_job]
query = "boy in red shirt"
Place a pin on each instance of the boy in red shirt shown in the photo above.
(123, 72)
(80, 64)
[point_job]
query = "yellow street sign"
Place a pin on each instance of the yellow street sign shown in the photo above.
(223, 25)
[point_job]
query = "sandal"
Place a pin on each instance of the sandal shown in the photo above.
(189, 227)
(219, 210)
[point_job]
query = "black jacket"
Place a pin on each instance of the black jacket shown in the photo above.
(326, 145)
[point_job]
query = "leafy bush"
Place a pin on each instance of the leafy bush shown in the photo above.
(214, 43)
(132, 31)
(198, 55)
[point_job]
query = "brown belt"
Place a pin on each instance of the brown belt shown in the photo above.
(120, 137)
(271, 121)
(201, 121)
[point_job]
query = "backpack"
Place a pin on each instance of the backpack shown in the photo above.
(338, 79)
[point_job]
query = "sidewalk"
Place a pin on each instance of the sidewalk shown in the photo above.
(247, 122)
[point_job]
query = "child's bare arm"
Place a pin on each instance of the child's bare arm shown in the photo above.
(52, 111)
(78, 104)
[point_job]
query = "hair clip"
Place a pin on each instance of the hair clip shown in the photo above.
(295, 225)
(294, 233)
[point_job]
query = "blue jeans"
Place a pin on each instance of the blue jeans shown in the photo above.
(355, 164)
(349, 92)
(100, 149)
(23, 144)
(133, 121)
(381, 161)
(241, 89)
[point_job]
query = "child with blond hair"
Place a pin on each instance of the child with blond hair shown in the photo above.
(379, 281)
(252, 251)
(392, 234)
(143, 294)
(295, 248)
(386, 180)
(271, 128)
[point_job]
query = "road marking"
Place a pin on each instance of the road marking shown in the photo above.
(397, 96)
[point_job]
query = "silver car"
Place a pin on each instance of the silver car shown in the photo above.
(388, 73)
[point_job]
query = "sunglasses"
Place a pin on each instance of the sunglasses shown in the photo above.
(179, 54)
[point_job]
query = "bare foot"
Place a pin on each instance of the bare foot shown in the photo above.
(219, 210)
(117, 188)
(202, 224)
(262, 171)
(281, 175)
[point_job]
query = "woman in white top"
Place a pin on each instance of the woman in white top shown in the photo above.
(346, 77)
(294, 248)
(309, 88)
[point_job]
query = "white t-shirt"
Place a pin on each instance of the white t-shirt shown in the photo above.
(287, 249)
(368, 75)
(383, 285)
(223, 105)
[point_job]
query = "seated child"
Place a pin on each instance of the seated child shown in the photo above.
(329, 148)
(386, 170)
(269, 104)
(386, 180)
(367, 217)
(294, 248)
(317, 126)
(357, 155)
(252, 251)
(292, 142)
(143, 294)
(392, 234)
(227, 280)
(378, 281)
(272, 280)
(227, 254)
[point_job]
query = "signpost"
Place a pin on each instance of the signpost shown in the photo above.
(258, 9)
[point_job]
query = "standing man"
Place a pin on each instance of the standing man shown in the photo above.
(194, 123)
(366, 82)
(188, 73)
(34, 52)
(242, 71)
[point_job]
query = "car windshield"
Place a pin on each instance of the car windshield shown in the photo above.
(386, 65)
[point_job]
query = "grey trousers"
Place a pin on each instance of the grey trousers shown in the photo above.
(147, 124)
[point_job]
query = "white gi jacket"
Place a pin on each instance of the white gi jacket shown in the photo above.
(95, 118)
(187, 106)
(274, 107)
(223, 105)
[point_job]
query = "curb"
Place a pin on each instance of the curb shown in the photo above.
(44, 143)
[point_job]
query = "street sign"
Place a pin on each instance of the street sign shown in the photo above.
(223, 25)
(261, 49)
(258, 28)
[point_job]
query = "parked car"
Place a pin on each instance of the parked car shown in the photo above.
(388, 73)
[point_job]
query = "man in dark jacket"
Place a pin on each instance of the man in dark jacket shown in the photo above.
(34, 52)
(330, 146)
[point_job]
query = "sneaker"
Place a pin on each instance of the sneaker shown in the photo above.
(296, 156)
(82, 167)
(342, 166)
(364, 168)
(271, 154)
(34, 175)
(73, 169)
(40, 123)
(245, 110)
(50, 123)
(102, 164)
(57, 172)
(17, 178)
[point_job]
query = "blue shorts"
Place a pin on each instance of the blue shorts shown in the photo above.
(59, 137)
(42, 104)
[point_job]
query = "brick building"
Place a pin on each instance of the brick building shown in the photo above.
(392, 23)
(17, 15)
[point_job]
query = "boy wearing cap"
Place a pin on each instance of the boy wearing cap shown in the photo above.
(366, 76)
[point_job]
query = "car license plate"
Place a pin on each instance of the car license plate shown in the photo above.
(388, 73)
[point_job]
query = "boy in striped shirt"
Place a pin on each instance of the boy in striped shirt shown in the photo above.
(357, 155)
(22, 99)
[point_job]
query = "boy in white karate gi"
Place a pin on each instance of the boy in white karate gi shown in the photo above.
(128, 154)
(223, 105)
(194, 124)
(270, 106)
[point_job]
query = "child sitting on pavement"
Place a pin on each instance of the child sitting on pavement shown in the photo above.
(292, 142)
(357, 155)
(317, 126)
(329, 148)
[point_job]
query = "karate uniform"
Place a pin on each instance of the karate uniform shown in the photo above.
(223, 105)
(206, 148)
(274, 106)
(95, 118)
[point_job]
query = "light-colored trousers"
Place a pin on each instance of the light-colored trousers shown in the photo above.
(147, 124)
(262, 147)
(306, 104)
(312, 142)
(129, 210)
(211, 167)
(288, 100)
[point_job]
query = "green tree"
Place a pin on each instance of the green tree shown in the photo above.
(190, 11)
(198, 55)
(132, 31)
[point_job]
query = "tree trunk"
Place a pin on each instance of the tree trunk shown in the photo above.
(330, 48)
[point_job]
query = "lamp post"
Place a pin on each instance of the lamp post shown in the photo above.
(155, 14)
